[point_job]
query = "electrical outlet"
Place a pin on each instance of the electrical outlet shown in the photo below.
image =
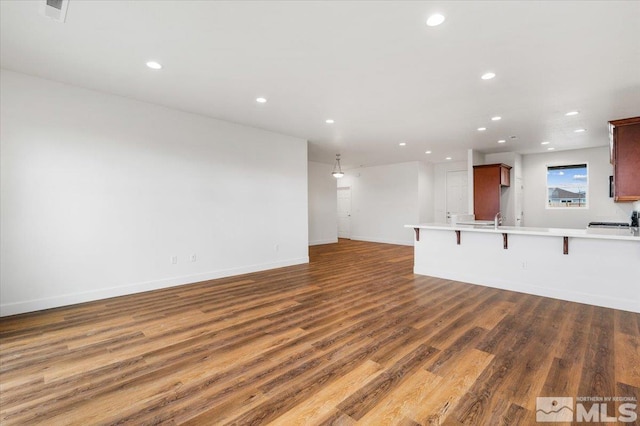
(276, 247)
(524, 264)
(174, 260)
(192, 258)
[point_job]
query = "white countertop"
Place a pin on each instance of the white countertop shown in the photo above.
(593, 233)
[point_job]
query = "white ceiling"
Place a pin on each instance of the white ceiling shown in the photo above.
(372, 66)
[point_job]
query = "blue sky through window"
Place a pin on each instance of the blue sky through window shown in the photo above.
(570, 178)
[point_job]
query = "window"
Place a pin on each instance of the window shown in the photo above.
(567, 186)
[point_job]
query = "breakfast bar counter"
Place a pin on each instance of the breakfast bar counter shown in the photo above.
(594, 266)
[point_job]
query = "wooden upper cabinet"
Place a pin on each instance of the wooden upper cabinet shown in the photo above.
(505, 175)
(488, 180)
(625, 157)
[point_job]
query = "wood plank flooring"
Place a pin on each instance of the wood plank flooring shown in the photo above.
(352, 338)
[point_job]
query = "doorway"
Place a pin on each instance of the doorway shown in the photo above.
(344, 212)
(457, 194)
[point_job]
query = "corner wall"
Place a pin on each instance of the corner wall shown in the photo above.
(323, 204)
(99, 192)
(425, 192)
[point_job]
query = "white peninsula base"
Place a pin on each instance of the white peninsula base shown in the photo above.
(602, 270)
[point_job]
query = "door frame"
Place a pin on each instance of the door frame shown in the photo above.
(342, 188)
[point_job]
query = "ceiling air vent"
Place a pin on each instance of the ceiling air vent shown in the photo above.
(55, 9)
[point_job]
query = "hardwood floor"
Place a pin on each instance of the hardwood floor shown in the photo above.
(352, 338)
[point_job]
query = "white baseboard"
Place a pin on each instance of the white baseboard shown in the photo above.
(383, 240)
(320, 242)
(520, 287)
(105, 293)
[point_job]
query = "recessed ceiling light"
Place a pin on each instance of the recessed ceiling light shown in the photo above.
(402, 144)
(154, 65)
(488, 76)
(496, 118)
(435, 20)
(545, 143)
(550, 149)
(427, 152)
(580, 130)
(448, 158)
(570, 113)
(501, 141)
(261, 100)
(329, 121)
(482, 129)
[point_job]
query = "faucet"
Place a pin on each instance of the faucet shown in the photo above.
(497, 220)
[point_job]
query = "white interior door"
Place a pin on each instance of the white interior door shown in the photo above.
(344, 212)
(457, 193)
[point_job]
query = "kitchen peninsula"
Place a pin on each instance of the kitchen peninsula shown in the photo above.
(597, 267)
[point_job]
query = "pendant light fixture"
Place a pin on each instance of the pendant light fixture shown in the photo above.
(337, 170)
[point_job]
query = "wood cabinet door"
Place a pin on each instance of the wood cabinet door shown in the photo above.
(626, 166)
(486, 192)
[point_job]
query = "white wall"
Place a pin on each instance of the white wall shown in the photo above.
(425, 192)
(323, 205)
(99, 192)
(383, 200)
(601, 207)
(440, 187)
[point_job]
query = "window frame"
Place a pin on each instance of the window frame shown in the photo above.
(567, 165)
